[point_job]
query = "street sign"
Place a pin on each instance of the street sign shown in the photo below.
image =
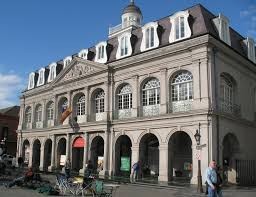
(198, 154)
(199, 147)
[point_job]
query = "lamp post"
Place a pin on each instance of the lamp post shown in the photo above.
(198, 147)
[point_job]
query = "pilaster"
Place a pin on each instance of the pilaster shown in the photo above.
(163, 164)
(163, 91)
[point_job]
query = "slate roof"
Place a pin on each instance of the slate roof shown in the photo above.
(200, 22)
(10, 111)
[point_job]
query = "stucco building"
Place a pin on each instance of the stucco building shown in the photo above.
(142, 94)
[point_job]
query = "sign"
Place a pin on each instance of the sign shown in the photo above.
(100, 163)
(62, 160)
(78, 143)
(198, 154)
(125, 164)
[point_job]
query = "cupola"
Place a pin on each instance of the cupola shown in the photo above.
(131, 15)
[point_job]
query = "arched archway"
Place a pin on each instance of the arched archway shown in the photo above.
(36, 154)
(180, 156)
(26, 152)
(77, 153)
(97, 153)
(61, 153)
(123, 156)
(149, 156)
(230, 149)
(47, 154)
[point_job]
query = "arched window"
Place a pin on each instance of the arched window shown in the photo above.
(124, 46)
(28, 114)
(151, 92)
(80, 106)
(182, 86)
(49, 111)
(150, 37)
(38, 114)
(52, 73)
(227, 88)
(125, 97)
(99, 102)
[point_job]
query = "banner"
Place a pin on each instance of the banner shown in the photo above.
(65, 114)
(125, 164)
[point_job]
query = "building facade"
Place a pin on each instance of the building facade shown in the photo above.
(9, 120)
(142, 95)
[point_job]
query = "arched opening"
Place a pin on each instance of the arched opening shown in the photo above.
(61, 153)
(97, 153)
(123, 156)
(180, 156)
(36, 154)
(77, 153)
(149, 156)
(47, 154)
(230, 149)
(26, 152)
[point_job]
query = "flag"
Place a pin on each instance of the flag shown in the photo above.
(65, 113)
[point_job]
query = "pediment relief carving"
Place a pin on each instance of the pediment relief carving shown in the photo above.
(78, 70)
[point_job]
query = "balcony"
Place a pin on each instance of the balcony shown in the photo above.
(181, 106)
(229, 108)
(122, 114)
(150, 110)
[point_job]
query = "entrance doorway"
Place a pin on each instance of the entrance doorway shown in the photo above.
(97, 153)
(47, 154)
(36, 154)
(26, 152)
(77, 154)
(61, 153)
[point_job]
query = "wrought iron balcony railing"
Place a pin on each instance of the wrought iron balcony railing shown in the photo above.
(180, 106)
(230, 108)
(121, 114)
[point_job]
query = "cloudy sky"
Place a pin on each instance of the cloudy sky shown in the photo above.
(34, 33)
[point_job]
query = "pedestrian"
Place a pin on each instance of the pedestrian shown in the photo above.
(67, 168)
(20, 162)
(135, 171)
(211, 179)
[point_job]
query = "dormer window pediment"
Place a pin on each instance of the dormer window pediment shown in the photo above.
(52, 73)
(101, 52)
(31, 81)
(41, 77)
(150, 37)
(83, 54)
(124, 46)
(222, 25)
(250, 45)
(180, 27)
(67, 61)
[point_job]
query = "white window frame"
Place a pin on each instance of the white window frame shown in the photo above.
(38, 113)
(67, 61)
(50, 111)
(99, 102)
(145, 38)
(83, 54)
(187, 30)
(222, 25)
(147, 91)
(28, 115)
(31, 81)
(80, 106)
(101, 57)
(124, 93)
(127, 45)
(41, 78)
(52, 72)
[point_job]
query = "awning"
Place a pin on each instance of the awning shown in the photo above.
(78, 143)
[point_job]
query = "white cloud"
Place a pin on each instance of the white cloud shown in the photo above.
(11, 86)
(250, 16)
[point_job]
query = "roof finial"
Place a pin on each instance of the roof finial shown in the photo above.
(132, 1)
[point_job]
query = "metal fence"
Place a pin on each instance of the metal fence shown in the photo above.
(246, 172)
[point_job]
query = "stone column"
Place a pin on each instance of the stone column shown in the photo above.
(56, 111)
(30, 155)
(22, 112)
(52, 167)
(106, 151)
(33, 115)
(111, 152)
(163, 91)
(41, 166)
(68, 147)
(163, 163)
(44, 113)
(106, 101)
(85, 161)
(135, 95)
(87, 104)
(135, 154)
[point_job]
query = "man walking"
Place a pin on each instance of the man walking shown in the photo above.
(135, 171)
(211, 179)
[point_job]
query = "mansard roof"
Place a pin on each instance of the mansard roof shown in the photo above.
(200, 22)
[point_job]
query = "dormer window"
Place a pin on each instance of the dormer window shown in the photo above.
(31, 81)
(52, 73)
(222, 25)
(124, 46)
(249, 42)
(83, 54)
(180, 26)
(67, 61)
(150, 38)
(41, 77)
(101, 53)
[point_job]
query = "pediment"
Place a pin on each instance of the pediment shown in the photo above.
(79, 68)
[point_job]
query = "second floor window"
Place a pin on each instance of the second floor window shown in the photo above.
(124, 45)
(151, 92)
(99, 102)
(38, 114)
(125, 97)
(227, 90)
(41, 77)
(182, 86)
(28, 114)
(149, 37)
(81, 106)
(50, 111)
(179, 28)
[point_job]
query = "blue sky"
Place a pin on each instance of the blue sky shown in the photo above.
(34, 33)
